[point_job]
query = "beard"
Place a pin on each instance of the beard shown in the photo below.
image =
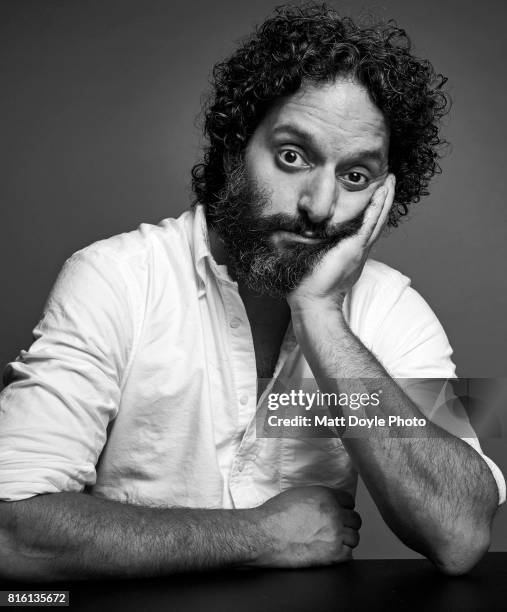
(266, 269)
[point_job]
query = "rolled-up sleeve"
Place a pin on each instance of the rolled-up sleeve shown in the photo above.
(62, 393)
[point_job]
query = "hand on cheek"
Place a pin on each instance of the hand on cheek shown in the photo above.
(331, 279)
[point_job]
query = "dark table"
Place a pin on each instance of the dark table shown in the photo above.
(357, 585)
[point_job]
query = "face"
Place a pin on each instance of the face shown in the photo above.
(308, 174)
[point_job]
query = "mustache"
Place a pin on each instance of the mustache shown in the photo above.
(300, 225)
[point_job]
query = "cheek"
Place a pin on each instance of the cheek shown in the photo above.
(281, 188)
(351, 203)
(258, 162)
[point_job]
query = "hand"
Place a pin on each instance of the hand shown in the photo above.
(341, 267)
(308, 526)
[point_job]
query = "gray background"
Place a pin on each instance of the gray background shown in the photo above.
(98, 113)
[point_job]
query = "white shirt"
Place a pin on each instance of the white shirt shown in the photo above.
(141, 382)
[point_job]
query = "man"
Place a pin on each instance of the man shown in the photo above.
(128, 439)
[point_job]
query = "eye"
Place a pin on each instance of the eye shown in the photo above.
(291, 157)
(356, 179)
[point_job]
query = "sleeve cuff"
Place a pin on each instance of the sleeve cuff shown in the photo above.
(495, 470)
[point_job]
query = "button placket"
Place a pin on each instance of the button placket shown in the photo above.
(242, 361)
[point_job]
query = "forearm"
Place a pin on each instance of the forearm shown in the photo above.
(435, 492)
(77, 536)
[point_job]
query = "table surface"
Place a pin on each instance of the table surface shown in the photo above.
(391, 584)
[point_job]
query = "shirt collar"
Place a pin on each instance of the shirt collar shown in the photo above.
(200, 246)
(202, 252)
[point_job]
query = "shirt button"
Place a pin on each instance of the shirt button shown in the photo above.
(243, 400)
(235, 323)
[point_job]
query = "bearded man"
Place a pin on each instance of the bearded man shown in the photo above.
(128, 439)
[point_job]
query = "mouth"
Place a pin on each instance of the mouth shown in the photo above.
(304, 238)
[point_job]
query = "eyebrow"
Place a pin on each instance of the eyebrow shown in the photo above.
(374, 154)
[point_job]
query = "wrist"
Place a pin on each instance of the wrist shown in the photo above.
(312, 313)
(260, 538)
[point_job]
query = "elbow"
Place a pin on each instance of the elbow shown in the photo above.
(462, 550)
(458, 563)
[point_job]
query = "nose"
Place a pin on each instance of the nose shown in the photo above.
(319, 196)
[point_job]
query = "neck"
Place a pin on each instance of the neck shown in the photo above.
(272, 310)
(217, 248)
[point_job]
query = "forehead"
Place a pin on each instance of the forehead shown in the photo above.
(338, 115)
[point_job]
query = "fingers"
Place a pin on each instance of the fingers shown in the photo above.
(389, 186)
(346, 554)
(373, 211)
(351, 519)
(344, 499)
(350, 537)
(378, 210)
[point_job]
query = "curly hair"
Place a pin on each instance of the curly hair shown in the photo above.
(314, 44)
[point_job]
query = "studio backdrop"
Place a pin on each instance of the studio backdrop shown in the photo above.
(100, 125)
